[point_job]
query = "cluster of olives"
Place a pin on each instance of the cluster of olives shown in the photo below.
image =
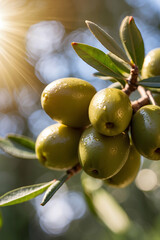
(93, 130)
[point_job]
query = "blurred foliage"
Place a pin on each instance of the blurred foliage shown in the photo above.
(34, 51)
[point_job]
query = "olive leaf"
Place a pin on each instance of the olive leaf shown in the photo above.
(22, 140)
(152, 82)
(107, 41)
(132, 41)
(23, 194)
(104, 206)
(104, 77)
(98, 60)
(153, 90)
(123, 67)
(1, 220)
(18, 147)
(53, 189)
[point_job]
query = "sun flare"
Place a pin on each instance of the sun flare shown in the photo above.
(2, 23)
(15, 19)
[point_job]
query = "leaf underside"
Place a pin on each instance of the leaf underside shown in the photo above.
(152, 82)
(53, 189)
(23, 194)
(16, 149)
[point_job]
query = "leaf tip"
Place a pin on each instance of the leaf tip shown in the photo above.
(130, 19)
(73, 43)
(88, 22)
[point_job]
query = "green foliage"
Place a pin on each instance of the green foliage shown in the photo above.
(1, 220)
(22, 140)
(99, 60)
(26, 193)
(18, 146)
(53, 189)
(23, 194)
(152, 82)
(104, 77)
(132, 41)
(123, 67)
(115, 64)
(106, 40)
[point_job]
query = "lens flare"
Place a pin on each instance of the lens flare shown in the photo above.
(15, 19)
(2, 23)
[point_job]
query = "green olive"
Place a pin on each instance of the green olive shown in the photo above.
(128, 172)
(151, 64)
(145, 131)
(103, 156)
(57, 146)
(67, 100)
(151, 69)
(110, 111)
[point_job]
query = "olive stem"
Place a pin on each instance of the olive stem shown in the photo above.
(71, 172)
(137, 104)
(131, 84)
(151, 97)
(144, 100)
(142, 91)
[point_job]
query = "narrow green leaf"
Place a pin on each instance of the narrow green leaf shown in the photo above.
(104, 77)
(132, 41)
(22, 140)
(1, 220)
(123, 67)
(152, 82)
(104, 206)
(23, 194)
(106, 40)
(98, 60)
(15, 149)
(154, 90)
(53, 189)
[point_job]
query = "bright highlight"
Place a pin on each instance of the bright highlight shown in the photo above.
(2, 23)
(15, 19)
(146, 180)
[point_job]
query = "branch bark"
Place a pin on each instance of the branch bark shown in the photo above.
(144, 100)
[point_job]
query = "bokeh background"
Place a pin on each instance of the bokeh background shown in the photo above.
(35, 49)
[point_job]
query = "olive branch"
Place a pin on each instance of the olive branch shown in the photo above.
(122, 67)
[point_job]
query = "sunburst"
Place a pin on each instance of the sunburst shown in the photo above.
(15, 19)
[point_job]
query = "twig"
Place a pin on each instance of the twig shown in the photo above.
(142, 92)
(131, 85)
(144, 100)
(71, 172)
(151, 97)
